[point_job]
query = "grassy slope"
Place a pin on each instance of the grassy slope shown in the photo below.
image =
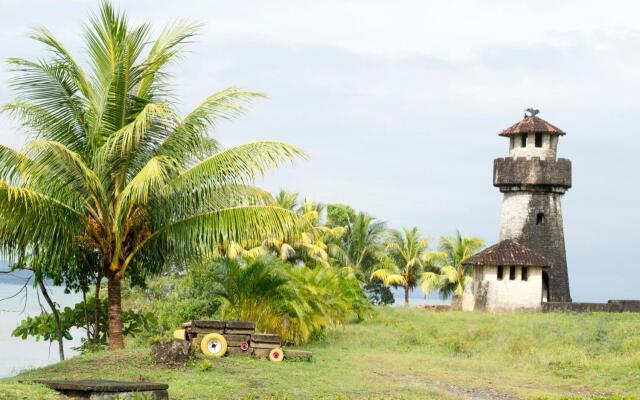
(410, 354)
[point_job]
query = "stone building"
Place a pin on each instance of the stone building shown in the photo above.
(506, 276)
(533, 181)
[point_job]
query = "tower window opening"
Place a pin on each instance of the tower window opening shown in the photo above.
(512, 273)
(538, 139)
(540, 219)
(523, 140)
(500, 272)
(525, 274)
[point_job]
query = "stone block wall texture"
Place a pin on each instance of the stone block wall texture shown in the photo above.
(534, 187)
(610, 306)
(535, 174)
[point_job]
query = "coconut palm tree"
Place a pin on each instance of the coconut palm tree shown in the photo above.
(313, 246)
(362, 243)
(451, 277)
(109, 164)
(408, 254)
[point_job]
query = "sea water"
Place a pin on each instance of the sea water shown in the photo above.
(17, 354)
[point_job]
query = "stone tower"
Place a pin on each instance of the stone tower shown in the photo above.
(533, 181)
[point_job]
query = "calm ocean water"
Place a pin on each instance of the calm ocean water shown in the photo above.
(17, 354)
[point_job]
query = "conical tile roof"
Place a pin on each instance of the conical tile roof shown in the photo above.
(531, 124)
(508, 252)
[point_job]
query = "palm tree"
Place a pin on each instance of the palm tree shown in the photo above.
(110, 166)
(313, 246)
(408, 255)
(362, 243)
(288, 200)
(451, 276)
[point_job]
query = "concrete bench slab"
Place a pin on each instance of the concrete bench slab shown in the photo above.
(106, 390)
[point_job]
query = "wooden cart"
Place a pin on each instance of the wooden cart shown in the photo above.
(235, 338)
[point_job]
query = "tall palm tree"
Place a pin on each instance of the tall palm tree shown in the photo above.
(110, 166)
(362, 244)
(451, 277)
(408, 255)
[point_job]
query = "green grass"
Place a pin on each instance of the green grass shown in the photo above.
(409, 353)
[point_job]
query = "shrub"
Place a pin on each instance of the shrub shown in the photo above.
(294, 301)
(43, 326)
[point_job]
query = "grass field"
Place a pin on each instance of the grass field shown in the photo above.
(405, 353)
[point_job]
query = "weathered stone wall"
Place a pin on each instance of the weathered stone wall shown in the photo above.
(534, 174)
(532, 212)
(611, 306)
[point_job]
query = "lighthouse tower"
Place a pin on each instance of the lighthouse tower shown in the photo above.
(533, 181)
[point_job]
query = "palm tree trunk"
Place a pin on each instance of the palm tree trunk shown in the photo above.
(96, 310)
(406, 296)
(56, 317)
(114, 312)
(456, 302)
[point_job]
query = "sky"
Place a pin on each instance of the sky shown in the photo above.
(399, 104)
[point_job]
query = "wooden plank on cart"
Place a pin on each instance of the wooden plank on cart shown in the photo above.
(205, 331)
(266, 338)
(237, 340)
(213, 324)
(237, 351)
(261, 353)
(264, 345)
(230, 331)
(241, 325)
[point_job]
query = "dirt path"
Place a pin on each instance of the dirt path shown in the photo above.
(480, 394)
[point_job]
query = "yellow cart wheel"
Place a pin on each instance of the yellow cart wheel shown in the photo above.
(213, 345)
(276, 355)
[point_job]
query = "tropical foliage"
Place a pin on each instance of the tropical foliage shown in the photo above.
(296, 301)
(451, 277)
(43, 326)
(407, 257)
(315, 246)
(111, 169)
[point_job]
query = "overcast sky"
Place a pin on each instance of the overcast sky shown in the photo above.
(399, 104)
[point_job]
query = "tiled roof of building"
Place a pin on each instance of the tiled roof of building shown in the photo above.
(508, 252)
(531, 124)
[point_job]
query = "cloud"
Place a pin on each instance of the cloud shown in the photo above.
(399, 103)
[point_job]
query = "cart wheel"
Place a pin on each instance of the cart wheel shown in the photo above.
(244, 346)
(276, 355)
(179, 334)
(213, 345)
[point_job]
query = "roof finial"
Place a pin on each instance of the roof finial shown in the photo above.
(532, 112)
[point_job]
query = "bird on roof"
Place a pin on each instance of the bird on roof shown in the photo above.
(532, 112)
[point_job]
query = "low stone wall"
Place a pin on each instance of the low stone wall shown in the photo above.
(437, 307)
(610, 306)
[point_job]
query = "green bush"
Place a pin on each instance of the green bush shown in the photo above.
(43, 326)
(295, 301)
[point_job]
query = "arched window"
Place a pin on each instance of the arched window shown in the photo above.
(540, 219)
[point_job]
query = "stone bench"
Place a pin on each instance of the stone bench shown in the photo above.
(107, 390)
